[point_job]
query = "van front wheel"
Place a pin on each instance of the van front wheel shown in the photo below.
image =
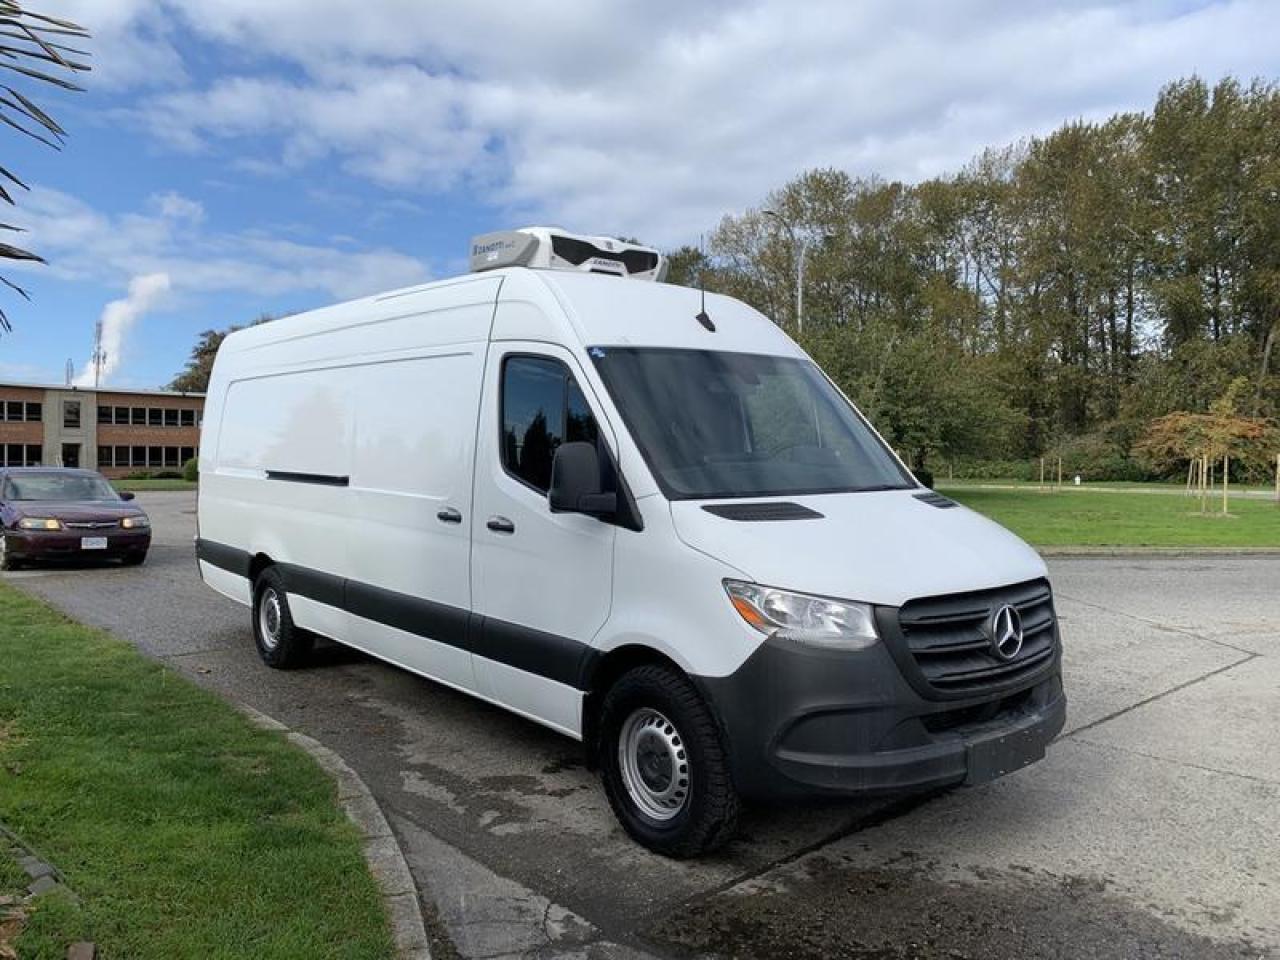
(664, 766)
(281, 643)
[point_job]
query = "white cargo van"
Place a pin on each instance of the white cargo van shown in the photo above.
(640, 517)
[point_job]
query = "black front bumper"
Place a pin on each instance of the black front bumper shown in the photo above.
(803, 721)
(27, 545)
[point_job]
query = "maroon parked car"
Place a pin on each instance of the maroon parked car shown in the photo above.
(49, 513)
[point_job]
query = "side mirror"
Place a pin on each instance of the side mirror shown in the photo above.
(126, 495)
(575, 482)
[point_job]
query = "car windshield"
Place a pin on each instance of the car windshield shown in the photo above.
(59, 486)
(712, 424)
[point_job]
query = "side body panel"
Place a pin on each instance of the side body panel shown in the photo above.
(333, 444)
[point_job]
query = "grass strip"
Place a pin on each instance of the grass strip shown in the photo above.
(183, 830)
(138, 486)
(1080, 518)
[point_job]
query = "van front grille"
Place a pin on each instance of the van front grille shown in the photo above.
(945, 642)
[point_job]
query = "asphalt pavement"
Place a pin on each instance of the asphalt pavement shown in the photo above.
(1149, 830)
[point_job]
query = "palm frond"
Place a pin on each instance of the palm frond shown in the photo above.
(4, 118)
(37, 48)
(35, 113)
(12, 178)
(16, 289)
(10, 252)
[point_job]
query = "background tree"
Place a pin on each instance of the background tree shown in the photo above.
(1056, 295)
(195, 376)
(34, 47)
(1250, 442)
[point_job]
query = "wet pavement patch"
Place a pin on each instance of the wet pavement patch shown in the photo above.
(826, 909)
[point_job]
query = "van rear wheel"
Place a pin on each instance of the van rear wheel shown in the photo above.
(664, 766)
(281, 644)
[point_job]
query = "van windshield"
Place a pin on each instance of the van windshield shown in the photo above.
(712, 424)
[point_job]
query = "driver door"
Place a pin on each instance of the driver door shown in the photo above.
(542, 582)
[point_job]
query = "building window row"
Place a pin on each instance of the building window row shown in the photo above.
(18, 411)
(149, 416)
(144, 457)
(20, 455)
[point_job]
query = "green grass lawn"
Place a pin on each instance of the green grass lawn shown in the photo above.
(1074, 517)
(140, 485)
(1151, 486)
(184, 830)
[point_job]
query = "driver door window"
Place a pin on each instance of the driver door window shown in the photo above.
(542, 407)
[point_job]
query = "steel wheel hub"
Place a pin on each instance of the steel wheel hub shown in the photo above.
(654, 764)
(269, 618)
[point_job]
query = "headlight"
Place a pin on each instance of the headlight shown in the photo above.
(818, 621)
(135, 523)
(39, 523)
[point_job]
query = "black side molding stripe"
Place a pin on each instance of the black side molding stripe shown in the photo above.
(426, 618)
(544, 654)
(524, 648)
(223, 557)
(323, 479)
(314, 585)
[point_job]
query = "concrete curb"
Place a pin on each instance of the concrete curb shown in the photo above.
(381, 850)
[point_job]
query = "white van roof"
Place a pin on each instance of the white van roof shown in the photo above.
(599, 310)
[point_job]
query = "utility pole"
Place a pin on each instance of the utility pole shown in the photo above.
(99, 355)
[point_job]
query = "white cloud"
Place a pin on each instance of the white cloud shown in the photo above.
(656, 118)
(132, 43)
(82, 243)
(177, 207)
(118, 318)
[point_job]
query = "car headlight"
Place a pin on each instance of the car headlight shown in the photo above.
(135, 523)
(39, 523)
(817, 621)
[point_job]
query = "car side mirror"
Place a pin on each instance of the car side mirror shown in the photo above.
(126, 495)
(575, 482)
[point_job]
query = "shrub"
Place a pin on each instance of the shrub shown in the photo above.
(191, 470)
(1098, 456)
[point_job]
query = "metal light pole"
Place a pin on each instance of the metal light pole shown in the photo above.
(799, 246)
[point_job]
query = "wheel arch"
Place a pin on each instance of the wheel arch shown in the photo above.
(257, 564)
(606, 672)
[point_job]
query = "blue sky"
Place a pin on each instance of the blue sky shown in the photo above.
(238, 157)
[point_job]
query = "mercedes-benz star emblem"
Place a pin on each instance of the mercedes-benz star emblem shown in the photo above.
(1006, 632)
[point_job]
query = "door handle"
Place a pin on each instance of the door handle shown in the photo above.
(449, 515)
(501, 525)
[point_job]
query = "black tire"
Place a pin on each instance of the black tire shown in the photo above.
(288, 646)
(708, 816)
(135, 559)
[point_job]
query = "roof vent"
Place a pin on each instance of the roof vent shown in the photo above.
(548, 248)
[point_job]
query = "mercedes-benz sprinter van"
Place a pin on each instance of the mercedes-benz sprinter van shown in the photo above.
(640, 516)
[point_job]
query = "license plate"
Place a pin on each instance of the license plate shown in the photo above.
(994, 757)
(93, 543)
